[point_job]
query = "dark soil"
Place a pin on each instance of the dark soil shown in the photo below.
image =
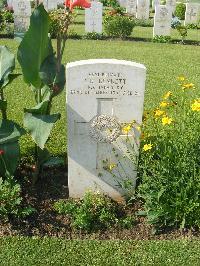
(46, 222)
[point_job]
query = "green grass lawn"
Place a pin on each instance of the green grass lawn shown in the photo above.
(164, 63)
(53, 251)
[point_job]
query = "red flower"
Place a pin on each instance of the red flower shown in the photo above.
(1, 152)
(80, 3)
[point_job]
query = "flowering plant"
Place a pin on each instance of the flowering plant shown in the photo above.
(169, 159)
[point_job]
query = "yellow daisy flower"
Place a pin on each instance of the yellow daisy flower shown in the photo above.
(147, 147)
(188, 86)
(166, 120)
(126, 129)
(111, 166)
(159, 112)
(196, 105)
(181, 78)
(164, 104)
(167, 95)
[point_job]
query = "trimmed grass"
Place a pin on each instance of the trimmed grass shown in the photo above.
(53, 251)
(164, 63)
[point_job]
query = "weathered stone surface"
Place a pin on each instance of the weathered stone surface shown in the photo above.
(143, 9)
(162, 20)
(192, 14)
(93, 17)
(102, 95)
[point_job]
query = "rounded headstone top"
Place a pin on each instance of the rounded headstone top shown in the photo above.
(105, 61)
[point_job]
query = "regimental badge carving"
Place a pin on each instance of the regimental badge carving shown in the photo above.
(104, 128)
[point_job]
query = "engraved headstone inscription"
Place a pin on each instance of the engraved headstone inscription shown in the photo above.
(192, 13)
(22, 13)
(162, 20)
(102, 96)
(143, 9)
(131, 7)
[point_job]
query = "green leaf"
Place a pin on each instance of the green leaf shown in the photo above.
(38, 109)
(10, 131)
(35, 46)
(49, 75)
(40, 126)
(9, 160)
(43, 156)
(7, 65)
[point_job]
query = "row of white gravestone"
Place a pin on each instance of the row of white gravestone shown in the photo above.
(137, 8)
(22, 13)
(103, 95)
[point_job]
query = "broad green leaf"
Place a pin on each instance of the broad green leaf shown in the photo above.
(49, 75)
(43, 156)
(10, 158)
(10, 131)
(35, 46)
(54, 161)
(7, 65)
(40, 126)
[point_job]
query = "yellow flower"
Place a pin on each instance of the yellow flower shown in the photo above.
(147, 147)
(138, 128)
(188, 86)
(166, 120)
(181, 78)
(164, 104)
(167, 95)
(126, 128)
(111, 166)
(196, 105)
(159, 113)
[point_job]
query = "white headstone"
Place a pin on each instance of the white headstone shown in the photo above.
(162, 20)
(131, 7)
(50, 4)
(155, 3)
(171, 4)
(192, 14)
(123, 3)
(10, 3)
(102, 95)
(143, 9)
(22, 13)
(93, 17)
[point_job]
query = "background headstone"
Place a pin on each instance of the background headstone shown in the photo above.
(172, 4)
(22, 13)
(93, 17)
(50, 4)
(192, 14)
(123, 3)
(155, 3)
(162, 20)
(143, 9)
(103, 94)
(131, 7)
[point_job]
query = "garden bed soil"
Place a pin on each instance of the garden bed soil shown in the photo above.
(46, 222)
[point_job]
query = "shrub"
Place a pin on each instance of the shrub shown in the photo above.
(11, 200)
(169, 161)
(95, 211)
(180, 11)
(161, 39)
(93, 36)
(110, 3)
(7, 16)
(118, 26)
